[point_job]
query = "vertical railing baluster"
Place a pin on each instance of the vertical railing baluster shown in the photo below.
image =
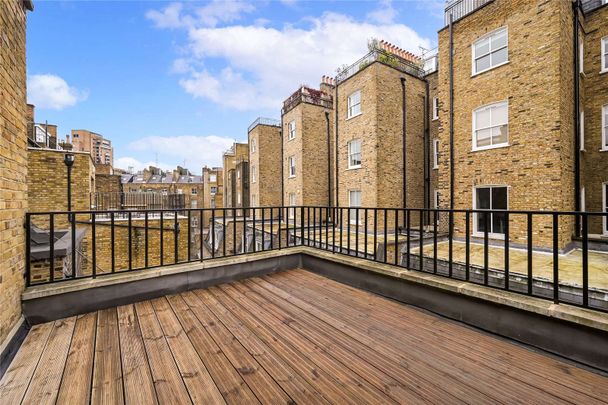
(212, 230)
(365, 232)
(585, 261)
(113, 242)
(72, 218)
(486, 231)
(201, 226)
(555, 258)
(385, 235)
(272, 228)
(435, 242)
(375, 234)
(162, 239)
(341, 226)
(327, 228)
(530, 274)
(302, 226)
(189, 236)
(263, 225)
(467, 246)
(450, 243)
(348, 231)
(52, 245)
(175, 240)
(314, 231)
(333, 233)
(308, 223)
(28, 249)
(253, 226)
(421, 239)
(234, 251)
(506, 285)
(357, 231)
(93, 246)
(408, 235)
(130, 243)
(396, 237)
(225, 232)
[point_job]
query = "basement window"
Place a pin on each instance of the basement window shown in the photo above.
(490, 198)
(291, 130)
(354, 154)
(604, 54)
(435, 108)
(354, 104)
(491, 126)
(292, 166)
(490, 51)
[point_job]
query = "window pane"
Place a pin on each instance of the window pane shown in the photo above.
(482, 63)
(484, 137)
(500, 134)
(498, 223)
(499, 56)
(483, 199)
(500, 114)
(482, 47)
(483, 118)
(499, 40)
(499, 198)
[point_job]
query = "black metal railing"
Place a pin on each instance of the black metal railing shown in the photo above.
(307, 95)
(136, 201)
(384, 57)
(461, 8)
(271, 122)
(536, 253)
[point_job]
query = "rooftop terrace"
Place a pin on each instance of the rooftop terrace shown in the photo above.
(287, 337)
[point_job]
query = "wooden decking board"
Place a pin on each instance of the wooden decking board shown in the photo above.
(292, 337)
(232, 387)
(316, 355)
(169, 385)
(17, 378)
(296, 387)
(417, 387)
(245, 362)
(46, 380)
(200, 385)
(77, 377)
(412, 359)
(474, 374)
(500, 355)
(138, 382)
(107, 387)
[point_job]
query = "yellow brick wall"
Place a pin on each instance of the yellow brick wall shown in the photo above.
(267, 162)
(13, 162)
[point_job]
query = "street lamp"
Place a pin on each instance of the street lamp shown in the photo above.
(68, 159)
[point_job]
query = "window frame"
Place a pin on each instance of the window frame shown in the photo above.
(290, 160)
(605, 208)
(582, 130)
(291, 130)
(349, 106)
(350, 153)
(352, 218)
(490, 52)
(435, 109)
(253, 174)
(603, 53)
(194, 191)
(474, 129)
(291, 212)
(604, 128)
(435, 154)
(253, 145)
(476, 232)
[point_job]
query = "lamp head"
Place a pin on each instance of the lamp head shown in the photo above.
(68, 159)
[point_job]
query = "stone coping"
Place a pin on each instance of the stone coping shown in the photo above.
(569, 313)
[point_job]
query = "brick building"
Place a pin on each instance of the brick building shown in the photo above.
(264, 136)
(307, 119)
(13, 165)
(99, 147)
(213, 190)
(516, 130)
(236, 176)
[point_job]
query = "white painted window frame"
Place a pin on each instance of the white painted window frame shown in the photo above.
(435, 154)
(350, 153)
(604, 208)
(603, 53)
(253, 174)
(491, 235)
(582, 129)
(475, 129)
(604, 128)
(253, 145)
(291, 212)
(291, 164)
(291, 130)
(351, 107)
(484, 37)
(352, 219)
(435, 108)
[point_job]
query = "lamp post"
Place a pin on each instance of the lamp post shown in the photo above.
(68, 159)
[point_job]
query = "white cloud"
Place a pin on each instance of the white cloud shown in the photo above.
(52, 92)
(260, 66)
(209, 15)
(194, 151)
(386, 14)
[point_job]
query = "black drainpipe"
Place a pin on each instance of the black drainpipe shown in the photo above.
(282, 165)
(337, 204)
(577, 124)
(427, 149)
(328, 161)
(404, 141)
(451, 114)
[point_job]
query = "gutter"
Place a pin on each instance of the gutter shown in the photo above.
(577, 113)
(404, 140)
(427, 150)
(328, 161)
(451, 28)
(337, 204)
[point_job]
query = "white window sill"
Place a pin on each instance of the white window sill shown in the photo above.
(435, 119)
(603, 150)
(603, 71)
(353, 167)
(291, 139)
(353, 116)
(435, 167)
(292, 177)
(498, 146)
(498, 236)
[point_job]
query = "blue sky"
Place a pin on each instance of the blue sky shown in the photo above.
(178, 82)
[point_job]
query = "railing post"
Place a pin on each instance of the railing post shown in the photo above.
(52, 245)
(28, 249)
(130, 243)
(555, 258)
(530, 274)
(486, 226)
(585, 260)
(93, 247)
(175, 238)
(162, 239)
(113, 238)
(506, 271)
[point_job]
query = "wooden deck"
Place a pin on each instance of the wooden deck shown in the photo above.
(289, 337)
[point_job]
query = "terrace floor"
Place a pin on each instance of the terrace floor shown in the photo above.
(291, 336)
